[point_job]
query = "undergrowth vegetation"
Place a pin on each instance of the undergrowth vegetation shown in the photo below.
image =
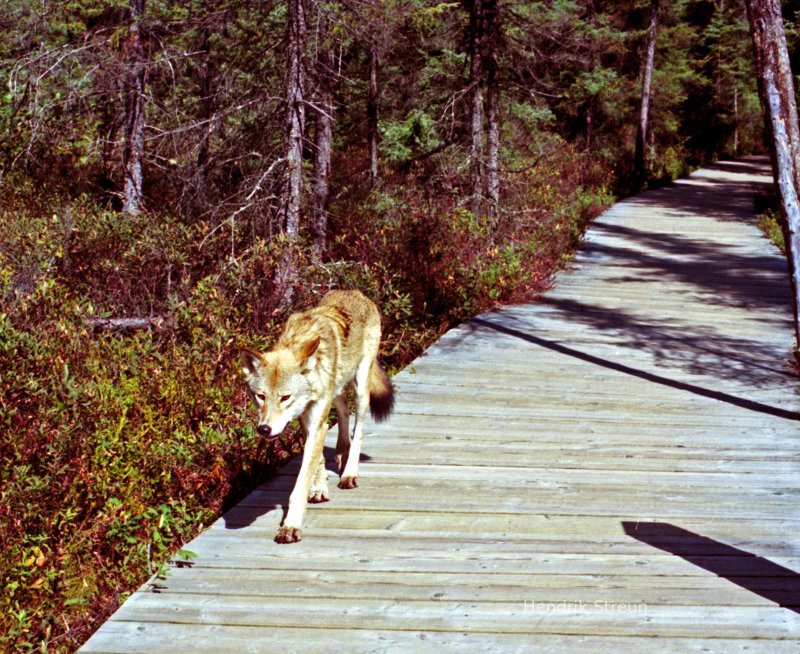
(770, 223)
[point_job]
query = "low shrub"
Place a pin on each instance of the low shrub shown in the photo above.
(769, 222)
(120, 447)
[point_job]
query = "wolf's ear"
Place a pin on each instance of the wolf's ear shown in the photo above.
(305, 353)
(250, 361)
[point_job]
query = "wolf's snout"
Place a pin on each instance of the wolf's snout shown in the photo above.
(264, 430)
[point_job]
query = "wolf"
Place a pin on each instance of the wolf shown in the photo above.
(317, 356)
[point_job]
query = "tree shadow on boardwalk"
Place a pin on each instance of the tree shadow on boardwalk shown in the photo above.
(753, 165)
(639, 258)
(675, 345)
(724, 275)
(731, 202)
(636, 372)
(753, 573)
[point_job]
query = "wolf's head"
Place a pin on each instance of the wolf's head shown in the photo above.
(279, 385)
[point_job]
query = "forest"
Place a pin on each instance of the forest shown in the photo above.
(177, 177)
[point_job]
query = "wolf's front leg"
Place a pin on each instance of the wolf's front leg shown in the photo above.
(290, 530)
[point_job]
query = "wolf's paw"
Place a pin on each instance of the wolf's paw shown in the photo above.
(318, 495)
(348, 482)
(287, 534)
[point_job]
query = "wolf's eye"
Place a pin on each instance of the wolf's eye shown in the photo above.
(261, 398)
(285, 399)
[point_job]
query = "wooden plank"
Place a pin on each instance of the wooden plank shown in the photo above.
(519, 616)
(661, 399)
(527, 500)
(775, 529)
(780, 528)
(419, 450)
(438, 476)
(634, 344)
(145, 638)
(477, 586)
(655, 429)
(766, 373)
(234, 552)
(598, 413)
(333, 538)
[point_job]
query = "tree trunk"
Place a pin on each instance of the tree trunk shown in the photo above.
(295, 123)
(476, 163)
(590, 66)
(587, 133)
(294, 129)
(776, 89)
(493, 108)
(736, 121)
(322, 152)
(204, 84)
(133, 149)
(639, 163)
(372, 113)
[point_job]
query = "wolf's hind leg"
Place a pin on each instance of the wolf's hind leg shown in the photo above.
(319, 485)
(343, 442)
(349, 476)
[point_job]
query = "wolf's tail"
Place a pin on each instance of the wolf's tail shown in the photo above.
(381, 393)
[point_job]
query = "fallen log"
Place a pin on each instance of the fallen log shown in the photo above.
(99, 325)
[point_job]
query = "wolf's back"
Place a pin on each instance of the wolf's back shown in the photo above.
(360, 323)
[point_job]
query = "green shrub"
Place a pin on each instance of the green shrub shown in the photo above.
(770, 223)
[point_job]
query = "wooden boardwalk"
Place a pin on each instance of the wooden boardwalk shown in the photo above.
(612, 468)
